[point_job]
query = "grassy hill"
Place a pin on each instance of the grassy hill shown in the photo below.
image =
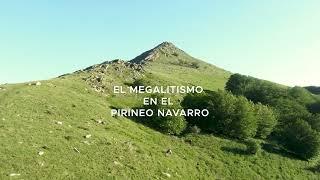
(62, 129)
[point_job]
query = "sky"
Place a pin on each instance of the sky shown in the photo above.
(269, 39)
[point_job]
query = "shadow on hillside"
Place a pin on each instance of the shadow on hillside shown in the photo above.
(235, 150)
(314, 169)
(275, 149)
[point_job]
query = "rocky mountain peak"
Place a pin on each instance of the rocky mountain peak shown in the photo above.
(163, 49)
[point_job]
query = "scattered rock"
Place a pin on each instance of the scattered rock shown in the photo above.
(98, 79)
(48, 112)
(35, 84)
(14, 174)
(86, 142)
(41, 153)
(59, 122)
(88, 136)
(41, 164)
(117, 163)
(130, 145)
(75, 149)
(68, 138)
(166, 174)
(45, 147)
(100, 122)
(168, 152)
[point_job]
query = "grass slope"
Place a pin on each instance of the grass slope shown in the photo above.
(30, 119)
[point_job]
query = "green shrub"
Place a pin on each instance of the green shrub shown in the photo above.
(301, 95)
(255, 89)
(290, 111)
(301, 139)
(253, 147)
(171, 124)
(266, 120)
(314, 122)
(198, 101)
(166, 124)
(228, 114)
(237, 84)
(244, 123)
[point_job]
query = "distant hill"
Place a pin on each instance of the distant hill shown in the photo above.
(313, 89)
(62, 129)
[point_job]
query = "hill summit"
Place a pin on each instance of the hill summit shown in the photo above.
(166, 49)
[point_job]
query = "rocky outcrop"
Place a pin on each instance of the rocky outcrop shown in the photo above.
(165, 49)
(99, 78)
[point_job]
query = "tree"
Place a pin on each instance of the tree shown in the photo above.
(166, 124)
(289, 111)
(228, 114)
(171, 124)
(253, 147)
(266, 120)
(198, 101)
(244, 123)
(222, 109)
(255, 89)
(237, 84)
(301, 139)
(301, 95)
(314, 122)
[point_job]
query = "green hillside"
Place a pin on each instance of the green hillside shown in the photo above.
(62, 128)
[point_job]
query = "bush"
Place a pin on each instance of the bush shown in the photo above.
(198, 101)
(244, 123)
(301, 95)
(266, 92)
(228, 114)
(255, 89)
(289, 111)
(253, 147)
(301, 139)
(314, 122)
(171, 124)
(167, 124)
(266, 120)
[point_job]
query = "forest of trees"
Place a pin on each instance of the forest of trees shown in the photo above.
(254, 108)
(297, 112)
(251, 109)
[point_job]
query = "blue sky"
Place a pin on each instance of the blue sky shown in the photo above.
(274, 40)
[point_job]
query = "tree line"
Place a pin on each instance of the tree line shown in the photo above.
(249, 109)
